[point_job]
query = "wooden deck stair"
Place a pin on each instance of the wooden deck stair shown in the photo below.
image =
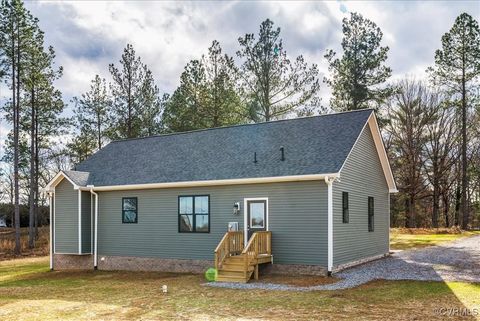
(236, 263)
(233, 270)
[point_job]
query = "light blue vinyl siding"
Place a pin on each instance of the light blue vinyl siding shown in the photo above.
(66, 218)
(86, 223)
(362, 176)
(297, 219)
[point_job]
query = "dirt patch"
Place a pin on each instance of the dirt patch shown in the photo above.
(301, 280)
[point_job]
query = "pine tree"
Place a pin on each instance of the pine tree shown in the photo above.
(16, 32)
(92, 110)
(457, 69)
(207, 95)
(135, 97)
(223, 105)
(40, 118)
(357, 77)
(81, 146)
(182, 109)
(272, 85)
(151, 103)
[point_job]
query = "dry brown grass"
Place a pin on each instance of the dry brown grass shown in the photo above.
(417, 231)
(7, 243)
(403, 238)
(29, 291)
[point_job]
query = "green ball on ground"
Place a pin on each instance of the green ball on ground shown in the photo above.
(211, 275)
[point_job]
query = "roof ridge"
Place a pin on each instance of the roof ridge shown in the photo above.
(241, 125)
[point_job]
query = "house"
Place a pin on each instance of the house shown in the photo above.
(309, 194)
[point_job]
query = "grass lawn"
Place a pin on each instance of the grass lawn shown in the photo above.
(28, 290)
(402, 239)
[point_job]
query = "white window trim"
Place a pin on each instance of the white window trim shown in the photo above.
(245, 209)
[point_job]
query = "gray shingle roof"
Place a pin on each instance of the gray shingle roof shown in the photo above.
(79, 178)
(313, 145)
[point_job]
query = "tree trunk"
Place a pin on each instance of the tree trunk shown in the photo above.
(16, 118)
(412, 212)
(458, 196)
(31, 209)
(465, 214)
(436, 206)
(410, 219)
(12, 206)
(99, 131)
(129, 107)
(36, 175)
(446, 207)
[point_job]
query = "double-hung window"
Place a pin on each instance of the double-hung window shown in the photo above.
(370, 214)
(129, 210)
(194, 214)
(345, 213)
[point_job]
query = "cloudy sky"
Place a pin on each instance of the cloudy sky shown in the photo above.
(88, 35)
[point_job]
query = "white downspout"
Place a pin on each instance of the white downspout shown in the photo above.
(79, 221)
(95, 233)
(329, 181)
(50, 201)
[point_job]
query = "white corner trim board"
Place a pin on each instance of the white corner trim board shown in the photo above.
(329, 181)
(54, 221)
(95, 233)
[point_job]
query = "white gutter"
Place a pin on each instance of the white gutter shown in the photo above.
(237, 181)
(329, 181)
(95, 233)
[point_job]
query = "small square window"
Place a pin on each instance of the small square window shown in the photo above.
(129, 210)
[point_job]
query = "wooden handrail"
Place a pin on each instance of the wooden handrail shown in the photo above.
(231, 244)
(259, 244)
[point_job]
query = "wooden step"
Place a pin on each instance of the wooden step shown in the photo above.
(236, 263)
(236, 258)
(234, 267)
(228, 279)
(231, 273)
(233, 276)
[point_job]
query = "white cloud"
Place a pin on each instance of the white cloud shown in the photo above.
(88, 35)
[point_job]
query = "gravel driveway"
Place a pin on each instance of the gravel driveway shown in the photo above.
(453, 261)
